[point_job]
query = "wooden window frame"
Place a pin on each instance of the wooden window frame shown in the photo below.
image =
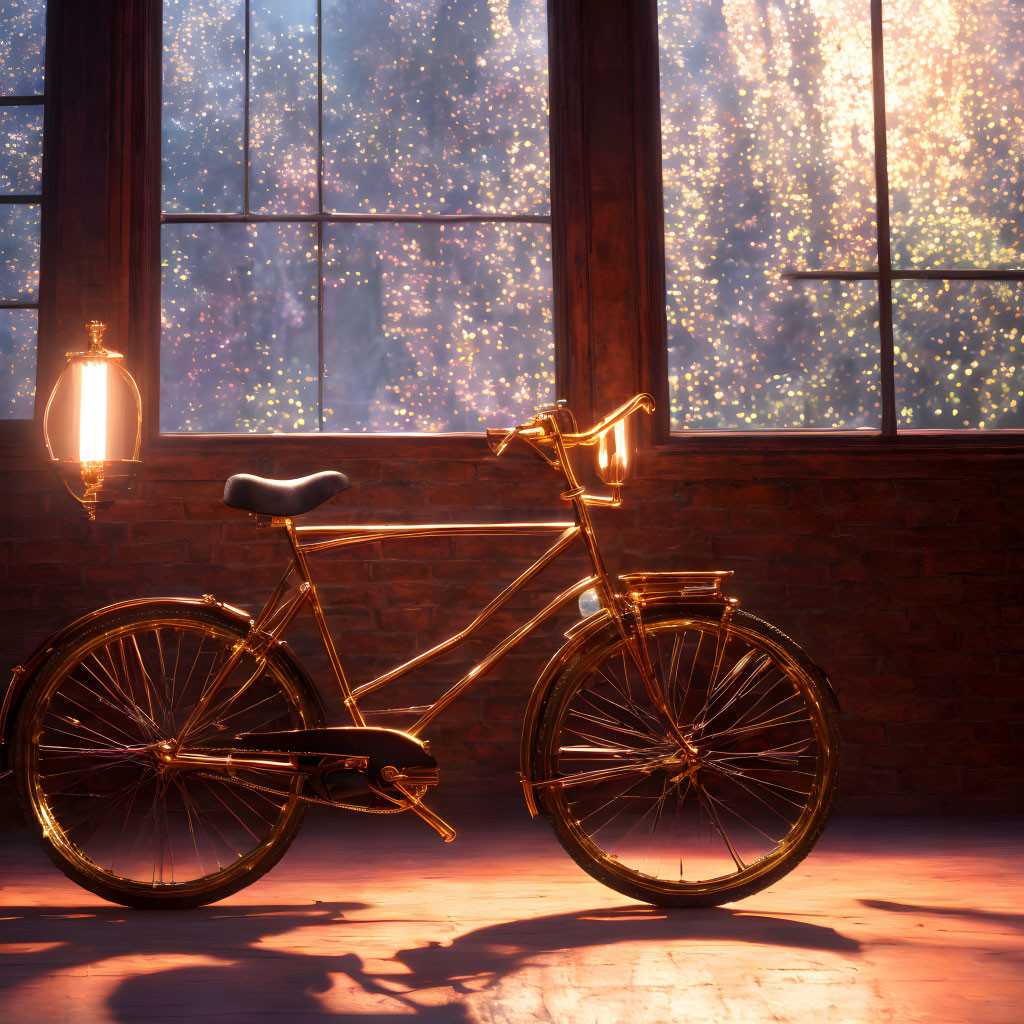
(101, 218)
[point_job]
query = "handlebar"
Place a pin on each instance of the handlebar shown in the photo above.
(544, 426)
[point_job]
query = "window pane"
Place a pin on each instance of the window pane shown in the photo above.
(434, 327)
(19, 252)
(959, 354)
(955, 107)
(239, 343)
(283, 143)
(21, 150)
(22, 39)
(18, 359)
(435, 107)
(767, 165)
(817, 368)
(203, 105)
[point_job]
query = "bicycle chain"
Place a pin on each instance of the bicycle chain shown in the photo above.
(298, 796)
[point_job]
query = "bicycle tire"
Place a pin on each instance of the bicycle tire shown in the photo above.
(129, 679)
(656, 828)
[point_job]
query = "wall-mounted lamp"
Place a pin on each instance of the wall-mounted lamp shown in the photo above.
(93, 424)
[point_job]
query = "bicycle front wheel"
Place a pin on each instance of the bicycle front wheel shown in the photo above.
(108, 813)
(712, 820)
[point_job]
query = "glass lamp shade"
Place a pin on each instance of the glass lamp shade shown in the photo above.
(93, 424)
(614, 455)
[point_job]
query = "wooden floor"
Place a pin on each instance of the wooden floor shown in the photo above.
(888, 920)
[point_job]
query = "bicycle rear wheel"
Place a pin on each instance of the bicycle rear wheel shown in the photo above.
(108, 813)
(677, 828)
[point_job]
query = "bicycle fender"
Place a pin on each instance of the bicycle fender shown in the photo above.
(22, 675)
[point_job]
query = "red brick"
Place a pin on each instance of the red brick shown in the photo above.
(838, 548)
(885, 565)
(916, 733)
(972, 562)
(977, 755)
(882, 756)
(462, 495)
(789, 522)
(984, 510)
(169, 553)
(998, 686)
(941, 663)
(31, 551)
(232, 553)
(727, 495)
(736, 545)
(404, 619)
(997, 780)
(845, 492)
(43, 575)
(883, 513)
(857, 731)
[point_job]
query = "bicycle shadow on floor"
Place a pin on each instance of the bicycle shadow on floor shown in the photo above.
(248, 979)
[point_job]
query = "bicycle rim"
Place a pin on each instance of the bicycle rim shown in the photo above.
(114, 821)
(639, 813)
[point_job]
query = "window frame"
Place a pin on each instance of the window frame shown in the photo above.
(885, 274)
(21, 425)
(102, 150)
(319, 220)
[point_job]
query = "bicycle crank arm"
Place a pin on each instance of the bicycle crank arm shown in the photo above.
(435, 821)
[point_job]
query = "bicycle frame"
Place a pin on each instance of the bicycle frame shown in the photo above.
(297, 587)
(270, 624)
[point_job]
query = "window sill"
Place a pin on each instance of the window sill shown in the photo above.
(1010, 442)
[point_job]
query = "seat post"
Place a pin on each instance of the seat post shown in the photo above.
(321, 623)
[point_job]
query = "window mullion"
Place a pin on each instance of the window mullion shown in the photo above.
(886, 352)
(320, 210)
(245, 115)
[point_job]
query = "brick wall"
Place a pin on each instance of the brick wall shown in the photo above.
(897, 569)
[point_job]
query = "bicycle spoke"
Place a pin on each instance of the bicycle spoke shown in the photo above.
(113, 742)
(230, 811)
(248, 711)
(91, 710)
(130, 708)
(124, 826)
(716, 823)
(738, 780)
(624, 802)
(606, 710)
(756, 709)
(760, 667)
(678, 700)
(582, 778)
(611, 800)
(212, 715)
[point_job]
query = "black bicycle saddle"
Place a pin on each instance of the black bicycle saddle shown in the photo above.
(282, 497)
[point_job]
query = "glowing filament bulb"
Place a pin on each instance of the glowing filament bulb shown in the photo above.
(92, 417)
(621, 455)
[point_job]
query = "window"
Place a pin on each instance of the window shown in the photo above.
(22, 38)
(356, 224)
(844, 248)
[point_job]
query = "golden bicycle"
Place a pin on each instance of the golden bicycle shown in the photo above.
(166, 750)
